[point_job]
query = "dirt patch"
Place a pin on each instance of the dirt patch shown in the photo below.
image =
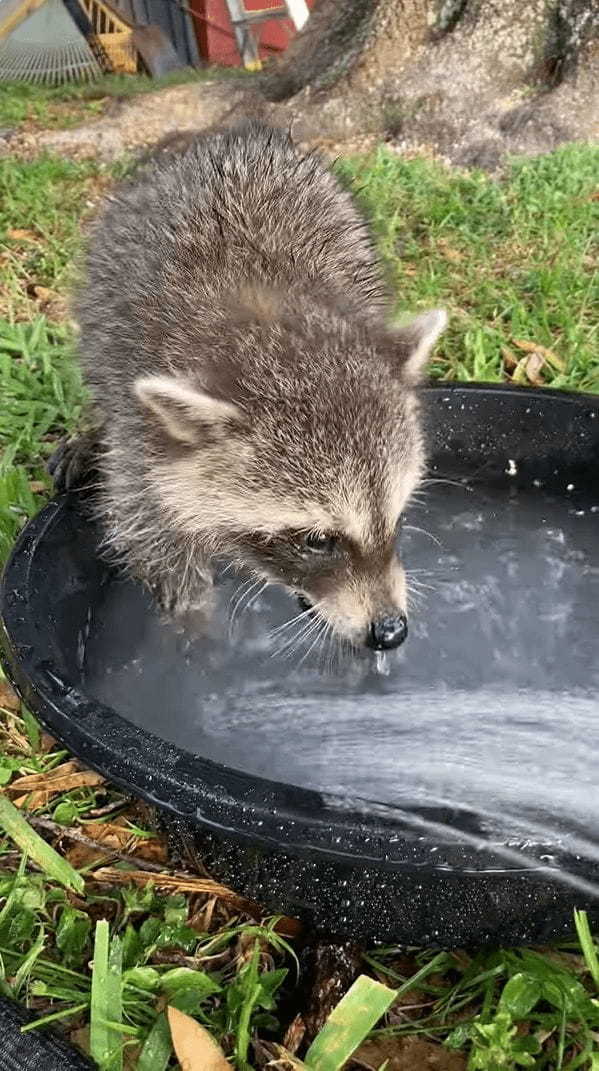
(407, 1054)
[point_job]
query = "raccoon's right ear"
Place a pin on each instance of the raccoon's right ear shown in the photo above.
(415, 342)
(184, 412)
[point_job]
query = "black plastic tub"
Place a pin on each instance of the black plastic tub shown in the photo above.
(403, 870)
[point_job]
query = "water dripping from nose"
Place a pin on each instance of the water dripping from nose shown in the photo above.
(381, 663)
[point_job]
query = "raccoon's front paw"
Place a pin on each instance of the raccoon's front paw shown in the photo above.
(71, 463)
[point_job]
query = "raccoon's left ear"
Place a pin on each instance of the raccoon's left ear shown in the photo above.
(186, 414)
(415, 342)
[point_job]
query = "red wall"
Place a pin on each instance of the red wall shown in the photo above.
(215, 33)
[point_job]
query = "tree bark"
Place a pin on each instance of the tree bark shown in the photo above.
(472, 79)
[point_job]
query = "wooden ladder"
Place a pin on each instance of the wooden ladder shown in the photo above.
(243, 20)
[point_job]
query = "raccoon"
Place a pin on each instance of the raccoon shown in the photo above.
(250, 399)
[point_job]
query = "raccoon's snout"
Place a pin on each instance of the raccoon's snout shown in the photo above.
(387, 632)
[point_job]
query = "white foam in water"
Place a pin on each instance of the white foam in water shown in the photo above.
(491, 703)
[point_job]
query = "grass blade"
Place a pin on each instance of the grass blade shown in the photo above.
(349, 1024)
(54, 1017)
(106, 1001)
(30, 842)
(587, 944)
(29, 962)
(157, 1048)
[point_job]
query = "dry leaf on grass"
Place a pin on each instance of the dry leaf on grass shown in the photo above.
(184, 883)
(294, 1035)
(196, 1050)
(9, 699)
(17, 234)
(528, 370)
(548, 355)
(115, 836)
(50, 301)
(43, 293)
(534, 364)
(407, 1054)
(35, 790)
(510, 361)
(447, 251)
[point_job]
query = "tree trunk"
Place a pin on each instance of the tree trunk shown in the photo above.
(472, 79)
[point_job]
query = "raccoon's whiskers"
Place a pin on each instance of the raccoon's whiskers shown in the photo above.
(328, 649)
(256, 596)
(319, 634)
(423, 531)
(451, 483)
(287, 624)
(248, 591)
(417, 589)
(293, 642)
(302, 637)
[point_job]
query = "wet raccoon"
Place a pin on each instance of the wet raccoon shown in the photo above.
(251, 400)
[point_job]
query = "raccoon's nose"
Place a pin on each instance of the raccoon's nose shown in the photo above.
(387, 632)
(304, 603)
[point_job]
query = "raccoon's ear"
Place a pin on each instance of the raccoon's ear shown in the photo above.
(416, 341)
(185, 413)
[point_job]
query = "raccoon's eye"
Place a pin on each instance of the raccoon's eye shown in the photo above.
(320, 544)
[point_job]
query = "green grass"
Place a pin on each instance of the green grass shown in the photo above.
(512, 261)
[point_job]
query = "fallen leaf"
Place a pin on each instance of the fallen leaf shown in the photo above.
(176, 883)
(115, 836)
(294, 1035)
(44, 294)
(195, 1049)
(41, 780)
(447, 251)
(37, 486)
(8, 697)
(48, 743)
(510, 361)
(535, 347)
(533, 366)
(38, 789)
(407, 1054)
(277, 1056)
(19, 235)
(594, 196)
(288, 927)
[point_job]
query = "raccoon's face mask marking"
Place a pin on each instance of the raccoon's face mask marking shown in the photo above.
(301, 475)
(360, 592)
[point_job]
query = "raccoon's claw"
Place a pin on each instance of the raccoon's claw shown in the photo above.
(69, 465)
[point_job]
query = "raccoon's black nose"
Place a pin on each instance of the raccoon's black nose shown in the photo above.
(304, 603)
(387, 632)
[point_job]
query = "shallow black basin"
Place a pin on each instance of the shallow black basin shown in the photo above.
(447, 797)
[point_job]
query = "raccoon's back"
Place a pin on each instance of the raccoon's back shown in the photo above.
(242, 205)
